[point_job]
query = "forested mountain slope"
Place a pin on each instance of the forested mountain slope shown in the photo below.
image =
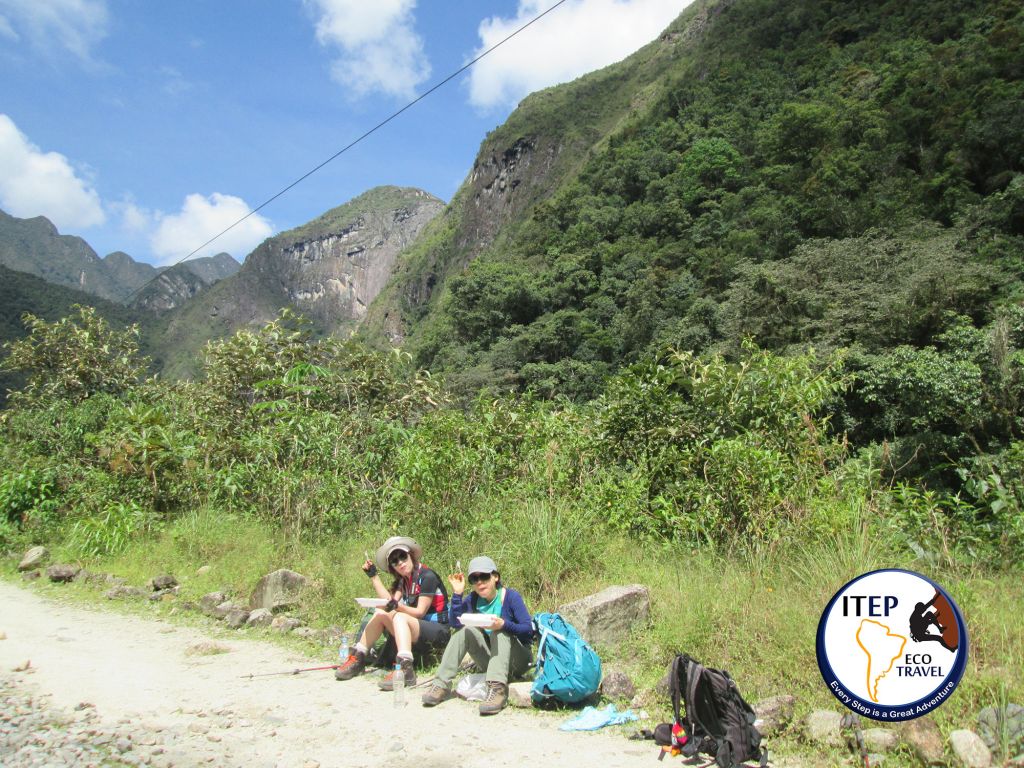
(827, 173)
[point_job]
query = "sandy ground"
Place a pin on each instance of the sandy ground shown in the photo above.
(145, 675)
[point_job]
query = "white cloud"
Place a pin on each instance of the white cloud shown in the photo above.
(578, 37)
(37, 183)
(380, 49)
(74, 25)
(201, 218)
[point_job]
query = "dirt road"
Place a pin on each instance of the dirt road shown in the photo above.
(158, 689)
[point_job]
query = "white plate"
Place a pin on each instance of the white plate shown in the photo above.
(372, 602)
(476, 619)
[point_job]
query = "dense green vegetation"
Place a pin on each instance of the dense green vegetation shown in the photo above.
(302, 452)
(21, 292)
(828, 175)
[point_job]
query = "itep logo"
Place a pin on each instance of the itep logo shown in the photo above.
(892, 645)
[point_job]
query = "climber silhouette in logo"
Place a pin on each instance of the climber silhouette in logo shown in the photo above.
(935, 613)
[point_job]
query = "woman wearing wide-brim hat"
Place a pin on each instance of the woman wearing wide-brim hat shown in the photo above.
(416, 615)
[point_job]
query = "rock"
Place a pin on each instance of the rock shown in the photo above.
(519, 695)
(773, 714)
(618, 685)
(284, 623)
(261, 617)
(209, 602)
(236, 617)
(278, 591)
(306, 632)
(875, 760)
(970, 749)
(33, 559)
(997, 723)
(30, 575)
(3, 635)
(662, 686)
(62, 573)
(222, 610)
(121, 592)
(822, 727)
(164, 594)
(880, 740)
(203, 570)
(608, 616)
(923, 737)
(160, 583)
(85, 577)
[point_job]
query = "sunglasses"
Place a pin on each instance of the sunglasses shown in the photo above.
(478, 578)
(398, 557)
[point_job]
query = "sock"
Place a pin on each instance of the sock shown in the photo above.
(407, 655)
(360, 648)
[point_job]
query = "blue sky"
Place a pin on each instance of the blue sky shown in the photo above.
(148, 126)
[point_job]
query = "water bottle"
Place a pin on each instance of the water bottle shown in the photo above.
(343, 650)
(398, 684)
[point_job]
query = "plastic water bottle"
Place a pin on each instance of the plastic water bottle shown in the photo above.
(343, 650)
(398, 685)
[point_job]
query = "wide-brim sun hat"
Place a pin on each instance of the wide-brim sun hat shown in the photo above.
(482, 564)
(397, 542)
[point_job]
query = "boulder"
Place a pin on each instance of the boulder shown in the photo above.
(773, 714)
(209, 602)
(607, 617)
(997, 723)
(121, 592)
(62, 573)
(203, 570)
(283, 624)
(822, 727)
(33, 559)
(519, 695)
(261, 617)
(880, 740)
(161, 583)
(618, 685)
(278, 591)
(923, 737)
(223, 609)
(31, 575)
(970, 749)
(236, 617)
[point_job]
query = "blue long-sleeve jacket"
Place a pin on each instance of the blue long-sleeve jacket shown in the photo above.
(518, 621)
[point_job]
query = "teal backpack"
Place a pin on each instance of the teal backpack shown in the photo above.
(567, 669)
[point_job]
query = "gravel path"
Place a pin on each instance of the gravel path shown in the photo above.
(108, 689)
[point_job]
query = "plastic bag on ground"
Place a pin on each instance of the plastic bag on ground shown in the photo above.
(591, 718)
(472, 687)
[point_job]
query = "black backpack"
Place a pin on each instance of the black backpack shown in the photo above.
(718, 722)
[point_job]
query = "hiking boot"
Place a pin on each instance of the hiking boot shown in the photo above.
(388, 683)
(354, 665)
(497, 698)
(437, 693)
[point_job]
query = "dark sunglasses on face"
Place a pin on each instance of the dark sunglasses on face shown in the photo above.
(398, 557)
(477, 578)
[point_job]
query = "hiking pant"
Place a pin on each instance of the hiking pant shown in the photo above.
(499, 654)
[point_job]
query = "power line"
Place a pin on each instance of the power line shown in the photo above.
(351, 144)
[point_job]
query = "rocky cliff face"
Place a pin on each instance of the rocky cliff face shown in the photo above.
(177, 284)
(333, 268)
(329, 270)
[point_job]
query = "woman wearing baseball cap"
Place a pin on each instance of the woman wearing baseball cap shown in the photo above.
(499, 641)
(415, 617)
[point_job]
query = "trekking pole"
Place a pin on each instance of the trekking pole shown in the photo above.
(251, 675)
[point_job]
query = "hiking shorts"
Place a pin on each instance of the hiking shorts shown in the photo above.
(433, 634)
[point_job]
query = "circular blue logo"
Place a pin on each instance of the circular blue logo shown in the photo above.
(892, 645)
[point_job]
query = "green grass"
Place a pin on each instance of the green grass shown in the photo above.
(755, 614)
